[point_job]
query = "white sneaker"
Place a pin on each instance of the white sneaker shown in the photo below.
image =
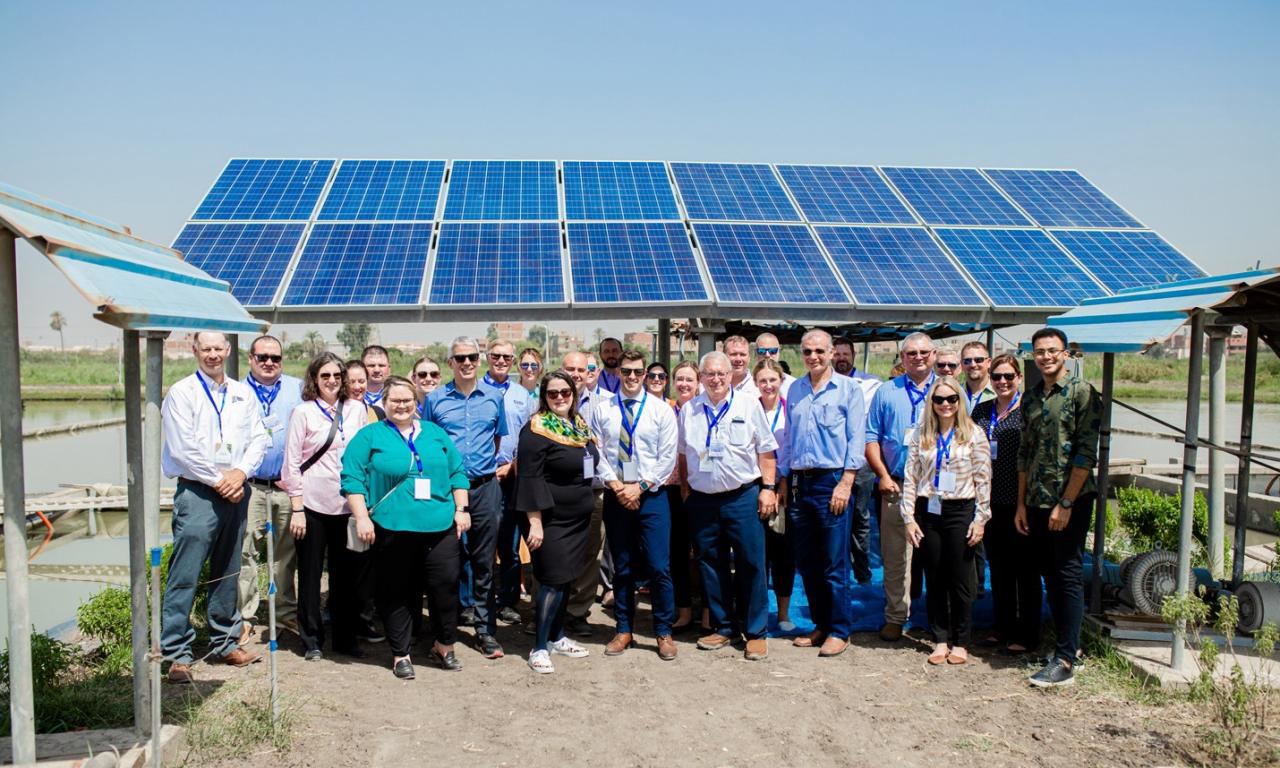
(540, 662)
(566, 647)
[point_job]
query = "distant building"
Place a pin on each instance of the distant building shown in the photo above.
(642, 339)
(512, 332)
(562, 343)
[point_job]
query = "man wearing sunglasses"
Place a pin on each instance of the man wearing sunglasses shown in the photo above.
(277, 395)
(637, 437)
(474, 415)
(975, 359)
(611, 357)
(769, 348)
(895, 414)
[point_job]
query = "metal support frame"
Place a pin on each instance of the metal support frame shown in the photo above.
(1217, 468)
(991, 340)
(233, 357)
(706, 331)
(1188, 479)
(1103, 482)
(137, 527)
(151, 434)
(664, 342)
(21, 698)
(1246, 445)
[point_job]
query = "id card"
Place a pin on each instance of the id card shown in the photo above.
(910, 437)
(630, 472)
(947, 481)
(995, 450)
(222, 456)
(588, 467)
(272, 422)
(715, 450)
(422, 488)
(935, 505)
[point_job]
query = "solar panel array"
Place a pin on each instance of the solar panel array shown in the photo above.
(308, 233)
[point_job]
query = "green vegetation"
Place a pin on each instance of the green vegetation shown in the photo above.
(1150, 520)
(69, 694)
(232, 722)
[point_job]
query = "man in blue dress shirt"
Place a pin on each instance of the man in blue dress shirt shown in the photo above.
(828, 420)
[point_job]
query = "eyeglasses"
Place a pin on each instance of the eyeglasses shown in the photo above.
(767, 351)
(715, 374)
(474, 357)
(529, 366)
(401, 401)
(813, 352)
(590, 368)
(948, 366)
(631, 371)
(501, 358)
(917, 352)
(974, 360)
(657, 376)
(1004, 376)
(323, 376)
(946, 399)
(427, 374)
(559, 394)
(1047, 352)
(268, 358)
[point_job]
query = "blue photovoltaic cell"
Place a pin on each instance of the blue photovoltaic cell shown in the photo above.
(1020, 267)
(1127, 259)
(252, 257)
(618, 191)
(1061, 199)
(954, 196)
(841, 194)
(512, 190)
(768, 264)
(633, 262)
(361, 264)
(884, 265)
(384, 190)
(266, 189)
(490, 263)
(731, 192)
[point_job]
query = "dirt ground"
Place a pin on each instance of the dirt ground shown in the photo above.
(877, 704)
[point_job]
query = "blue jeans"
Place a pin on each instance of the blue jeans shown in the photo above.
(480, 543)
(640, 542)
(821, 542)
(724, 522)
(205, 526)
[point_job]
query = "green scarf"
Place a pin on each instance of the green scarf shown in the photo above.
(560, 430)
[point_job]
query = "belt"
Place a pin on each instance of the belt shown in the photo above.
(480, 480)
(816, 472)
(269, 485)
(739, 489)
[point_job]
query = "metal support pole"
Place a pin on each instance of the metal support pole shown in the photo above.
(1246, 445)
(1188, 480)
(157, 723)
(991, 340)
(233, 359)
(1104, 482)
(137, 526)
(151, 427)
(271, 613)
(706, 331)
(21, 700)
(664, 342)
(1217, 466)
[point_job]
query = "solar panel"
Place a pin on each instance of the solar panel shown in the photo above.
(896, 265)
(490, 263)
(732, 192)
(252, 257)
(361, 264)
(954, 196)
(512, 190)
(384, 190)
(1020, 267)
(594, 190)
(844, 194)
(767, 264)
(1127, 259)
(632, 262)
(1061, 199)
(265, 190)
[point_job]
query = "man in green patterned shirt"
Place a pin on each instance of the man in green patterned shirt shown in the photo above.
(1059, 448)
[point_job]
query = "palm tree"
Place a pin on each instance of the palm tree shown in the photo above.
(313, 344)
(599, 334)
(57, 322)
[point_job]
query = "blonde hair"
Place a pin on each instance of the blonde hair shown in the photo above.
(930, 426)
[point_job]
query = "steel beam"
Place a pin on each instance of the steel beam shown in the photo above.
(1188, 479)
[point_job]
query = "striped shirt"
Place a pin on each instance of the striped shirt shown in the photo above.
(971, 463)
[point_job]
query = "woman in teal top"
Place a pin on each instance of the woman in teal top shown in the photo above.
(404, 483)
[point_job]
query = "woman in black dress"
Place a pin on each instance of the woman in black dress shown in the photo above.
(553, 487)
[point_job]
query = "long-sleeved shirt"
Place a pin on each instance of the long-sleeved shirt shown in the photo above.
(194, 430)
(1060, 432)
(276, 404)
(379, 466)
(308, 430)
(895, 410)
(741, 432)
(474, 421)
(653, 444)
(827, 425)
(969, 461)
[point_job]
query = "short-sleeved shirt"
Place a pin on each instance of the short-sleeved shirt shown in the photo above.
(275, 404)
(895, 409)
(743, 433)
(378, 465)
(827, 425)
(473, 422)
(1060, 432)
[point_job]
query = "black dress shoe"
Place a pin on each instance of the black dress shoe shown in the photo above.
(313, 655)
(509, 615)
(403, 669)
(448, 662)
(489, 646)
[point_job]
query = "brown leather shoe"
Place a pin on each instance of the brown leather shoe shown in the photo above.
(834, 646)
(757, 649)
(713, 642)
(237, 658)
(891, 632)
(180, 674)
(246, 632)
(811, 640)
(666, 647)
(619, 644)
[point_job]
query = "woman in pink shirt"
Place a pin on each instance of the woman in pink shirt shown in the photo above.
(318, 433)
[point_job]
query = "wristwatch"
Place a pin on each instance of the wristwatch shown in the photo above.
(644, 486)
(1065, 503)
(769, 487)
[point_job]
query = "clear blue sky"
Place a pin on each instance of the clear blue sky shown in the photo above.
(129, 110)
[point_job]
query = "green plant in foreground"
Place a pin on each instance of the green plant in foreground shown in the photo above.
(232, 722)
(67, 694)
(1152, 520)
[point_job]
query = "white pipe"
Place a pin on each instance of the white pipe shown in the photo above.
(1217, 463)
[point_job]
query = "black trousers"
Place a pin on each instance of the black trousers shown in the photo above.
(327, 536)
(1058, 554)
(682, 566)
(779, 553)
(948, 569)
(1015, 580)
(398, 556)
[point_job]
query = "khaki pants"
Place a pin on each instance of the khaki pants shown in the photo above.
(255, 548)
(895, 553)
(582, 593)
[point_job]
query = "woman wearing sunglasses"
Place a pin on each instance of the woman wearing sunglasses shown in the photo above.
(946, 502)
(1015, 577)
(426, 375)
(655, 382)
(553, 489)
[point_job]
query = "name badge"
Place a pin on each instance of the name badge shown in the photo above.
(935, 505)
(422, 488)
(272, 422)
(910, 437)
(630, 472)
(946, 481)
(715, 450)
(995, 450)
(588, 467)
(222, 456)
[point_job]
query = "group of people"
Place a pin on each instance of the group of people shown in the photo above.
(621, 476)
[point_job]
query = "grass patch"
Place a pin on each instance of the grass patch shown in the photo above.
(1107, 672)
(231, 722)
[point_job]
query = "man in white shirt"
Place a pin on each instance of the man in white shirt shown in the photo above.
(769, 348)
(726, 451)
(637, 436)
(213, 441)
(738, 350)
(844, 359)
(593, 375)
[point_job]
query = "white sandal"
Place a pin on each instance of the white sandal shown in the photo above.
(567, 647)
(540, 662)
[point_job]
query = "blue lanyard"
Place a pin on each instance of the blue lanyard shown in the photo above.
(417, 460)
(330, 418)
(372, 399)
(265, 400)
(604, 381)
(916, 395)
(217, 408)
(712, 422)
(996, 418)
(630, 426)
(944, 450)
(502, 385)
(782, 406)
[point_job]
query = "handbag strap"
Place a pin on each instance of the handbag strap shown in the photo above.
(333, 430)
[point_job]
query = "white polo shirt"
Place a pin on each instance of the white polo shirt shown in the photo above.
(653, 443)
(746, 387)
(198, 417)
(742, 433)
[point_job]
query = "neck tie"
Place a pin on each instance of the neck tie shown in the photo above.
(624, 439)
